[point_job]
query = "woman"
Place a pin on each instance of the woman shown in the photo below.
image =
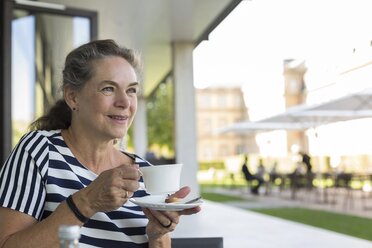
(68, 169)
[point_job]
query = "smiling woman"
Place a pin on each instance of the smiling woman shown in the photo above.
(68, 170)
(109, 98)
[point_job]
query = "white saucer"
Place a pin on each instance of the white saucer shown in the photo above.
(157, 202)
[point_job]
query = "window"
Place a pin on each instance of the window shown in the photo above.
(205, 101)
(38, 38)
(221, 101)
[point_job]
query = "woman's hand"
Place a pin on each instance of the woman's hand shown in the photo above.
(109, 191)
(163, 222)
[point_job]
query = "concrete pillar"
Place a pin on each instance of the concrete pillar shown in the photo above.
(140, 128)
(185, 113)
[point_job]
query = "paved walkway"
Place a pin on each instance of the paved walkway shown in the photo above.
(244, 229)
(241, 228)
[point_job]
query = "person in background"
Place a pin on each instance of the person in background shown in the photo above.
(274, 174)
(306, 160)
(260, 170)
(260, 174)
(254, 180)
(68, 171)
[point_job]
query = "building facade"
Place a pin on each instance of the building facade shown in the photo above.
(217, 108)
(295, 94)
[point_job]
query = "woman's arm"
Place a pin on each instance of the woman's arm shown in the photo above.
(162, 242)
(104, 194)
(18, 229)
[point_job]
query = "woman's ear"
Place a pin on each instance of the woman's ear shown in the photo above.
(70, 96)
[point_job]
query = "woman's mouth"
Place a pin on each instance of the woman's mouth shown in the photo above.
(119, 118)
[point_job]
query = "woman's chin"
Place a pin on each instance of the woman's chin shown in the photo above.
(119, 133)
(119, 136)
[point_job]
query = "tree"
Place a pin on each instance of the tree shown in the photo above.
(160, 116)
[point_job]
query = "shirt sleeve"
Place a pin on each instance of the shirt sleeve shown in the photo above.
(23, 176)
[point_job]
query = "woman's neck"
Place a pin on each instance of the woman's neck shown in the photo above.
(96, 155)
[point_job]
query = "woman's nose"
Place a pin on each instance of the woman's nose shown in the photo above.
(122, 100)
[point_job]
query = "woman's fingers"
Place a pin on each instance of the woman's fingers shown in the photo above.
(165, 216)
(128, 171)
(182, 192)
(190, 211)
(126, 177)
(160, 222)
(112, 188)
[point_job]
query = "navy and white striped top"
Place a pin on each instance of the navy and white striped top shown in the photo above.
(41, 172)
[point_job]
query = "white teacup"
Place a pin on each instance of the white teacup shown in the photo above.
(162, 179)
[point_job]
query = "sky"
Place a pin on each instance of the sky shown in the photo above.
(262, 33)
(248, 48)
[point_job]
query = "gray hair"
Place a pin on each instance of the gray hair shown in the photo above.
(77, 71)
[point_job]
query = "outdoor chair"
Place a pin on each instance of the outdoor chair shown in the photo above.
(366, 194)
(342, 184)
(210, 242)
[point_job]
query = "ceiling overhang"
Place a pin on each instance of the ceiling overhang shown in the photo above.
(162, 23)
(151, 27)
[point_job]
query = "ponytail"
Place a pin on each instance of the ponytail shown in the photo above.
(58, 117)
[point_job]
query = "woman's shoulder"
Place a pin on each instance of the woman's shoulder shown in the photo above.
(44, 133)
(34, 143)
(48, 134)
(38, 136)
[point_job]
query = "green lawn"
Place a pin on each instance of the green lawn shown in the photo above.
(220, 197)
(341, 223)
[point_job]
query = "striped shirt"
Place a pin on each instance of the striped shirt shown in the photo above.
(41, 172)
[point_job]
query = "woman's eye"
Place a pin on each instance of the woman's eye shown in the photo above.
(132, 90)
(109, 90)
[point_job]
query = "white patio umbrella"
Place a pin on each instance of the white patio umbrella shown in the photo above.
(352, 106)
(356, 105)
(246, 127)
(349, 107)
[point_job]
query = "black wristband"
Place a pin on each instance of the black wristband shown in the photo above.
(75, 210)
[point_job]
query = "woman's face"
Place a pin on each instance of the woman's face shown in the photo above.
(107, 103)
